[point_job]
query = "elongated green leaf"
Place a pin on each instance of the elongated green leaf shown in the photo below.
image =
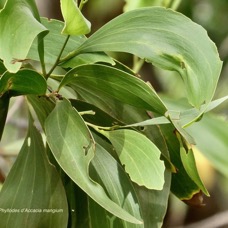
(22, 83)
(72, 146)
(188, 116)
(4, 105)
(189, 164)
(113, 83)
(112, 177)
(139, 156)
(167, 39)
(18, 30)
(188, 161)
(182, 185)
(88, 58)
(75, 22)
(33, 194)
(154, 121)
(214, 104)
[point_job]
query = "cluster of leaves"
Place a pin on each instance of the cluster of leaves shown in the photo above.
(112, 150)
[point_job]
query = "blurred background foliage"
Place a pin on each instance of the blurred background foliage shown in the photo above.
(211, 133)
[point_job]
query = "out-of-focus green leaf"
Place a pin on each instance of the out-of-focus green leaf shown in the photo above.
(33, 189)
(4, 105)
(211, 139)
(167, 39)
(19, 27)
(22, 83)
(134, 4)
(140, 157)
(106, 171)
(75, 22)
(73, 147)
(113, 83)
(214, 104)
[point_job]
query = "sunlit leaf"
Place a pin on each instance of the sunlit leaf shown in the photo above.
(140, 157)
(75, 22)
(72, 146)
(19, 27)
(167, 39)
(114, 83)
(33, 189)
(22, 83)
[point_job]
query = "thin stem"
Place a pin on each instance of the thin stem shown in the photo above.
(70, 56)
(175, 4)
(89, 112)
(43, 68)
(98, 128)
(82, 3)
(74, 53)
(58, 58)
(137, 64)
